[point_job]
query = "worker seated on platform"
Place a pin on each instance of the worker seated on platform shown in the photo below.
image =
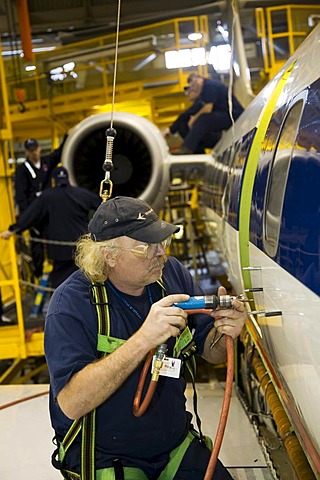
(202, 124)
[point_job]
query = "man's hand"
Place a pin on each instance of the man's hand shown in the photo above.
(230, 321)
(166, 132)
(6, 234)
(226, 321)
(191, 121)
(164, 320)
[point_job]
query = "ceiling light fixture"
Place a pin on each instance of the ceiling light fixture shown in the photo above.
(193, 37)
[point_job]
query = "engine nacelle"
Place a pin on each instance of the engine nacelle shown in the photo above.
(142, 165)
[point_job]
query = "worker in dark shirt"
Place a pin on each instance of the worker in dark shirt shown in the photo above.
(212, 116)
(31, 178)
(64, 212)
(181, 124)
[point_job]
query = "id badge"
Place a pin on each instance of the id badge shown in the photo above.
(170, 368)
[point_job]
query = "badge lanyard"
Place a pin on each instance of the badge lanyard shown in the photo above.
(126, 303)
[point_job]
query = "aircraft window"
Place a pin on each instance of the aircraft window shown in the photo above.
(277, 180)
(229, 177)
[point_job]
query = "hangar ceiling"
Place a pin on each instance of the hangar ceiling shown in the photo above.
(57, 23)
(66, 21)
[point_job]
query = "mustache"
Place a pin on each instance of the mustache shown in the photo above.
(160, 261)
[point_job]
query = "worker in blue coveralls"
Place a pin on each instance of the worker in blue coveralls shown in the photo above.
(212, 116)
(101, 323)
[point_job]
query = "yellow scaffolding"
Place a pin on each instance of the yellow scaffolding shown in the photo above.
(281, 30)
(13, 343)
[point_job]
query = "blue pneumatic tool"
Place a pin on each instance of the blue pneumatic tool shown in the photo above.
(207, 302)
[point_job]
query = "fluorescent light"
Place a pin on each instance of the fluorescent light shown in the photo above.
(224, 33)
(43, 49)
(198, 56)
(68, 67)
(187, 57)
(7, 53)
(220, 58)
(172, 59)
(56, 71)
(193, 37)
(58, 77)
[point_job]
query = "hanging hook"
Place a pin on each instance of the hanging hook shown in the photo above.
(106, 185)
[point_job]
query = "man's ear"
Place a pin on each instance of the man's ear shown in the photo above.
(110, 260)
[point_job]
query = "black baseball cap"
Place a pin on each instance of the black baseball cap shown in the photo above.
(60, 175)
(129, 217)
(31, 144)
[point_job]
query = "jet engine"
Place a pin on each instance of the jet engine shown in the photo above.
(142, 165)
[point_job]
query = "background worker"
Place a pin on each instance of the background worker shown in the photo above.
(212, 116)
(181, 124)
(32, 177)
(64, 212)
(124, 257)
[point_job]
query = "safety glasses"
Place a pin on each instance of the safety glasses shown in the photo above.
(148, 250)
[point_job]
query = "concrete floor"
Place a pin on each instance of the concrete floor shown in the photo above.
(26, 434)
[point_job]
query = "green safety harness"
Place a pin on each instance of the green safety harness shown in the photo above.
(185, 348)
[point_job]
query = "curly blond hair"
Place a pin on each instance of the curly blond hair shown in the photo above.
(91, 257)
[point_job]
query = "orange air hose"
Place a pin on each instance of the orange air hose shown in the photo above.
(224, 410)
(140, 409)
(24, 399)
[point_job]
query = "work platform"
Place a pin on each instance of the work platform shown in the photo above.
(26, 434)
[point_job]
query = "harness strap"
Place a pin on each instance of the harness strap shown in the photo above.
(106, 345)
(118, 469)
(29, 167)
(191, 370)
(176, 457)
(70, 475)
(88, 446)
(99, 298)
(185, 348)
(130, 473)
(68, 439)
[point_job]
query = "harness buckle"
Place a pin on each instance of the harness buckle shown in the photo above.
(188, 351)
(56, 463)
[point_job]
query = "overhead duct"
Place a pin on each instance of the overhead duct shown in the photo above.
(142, 164)
(135, 45)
